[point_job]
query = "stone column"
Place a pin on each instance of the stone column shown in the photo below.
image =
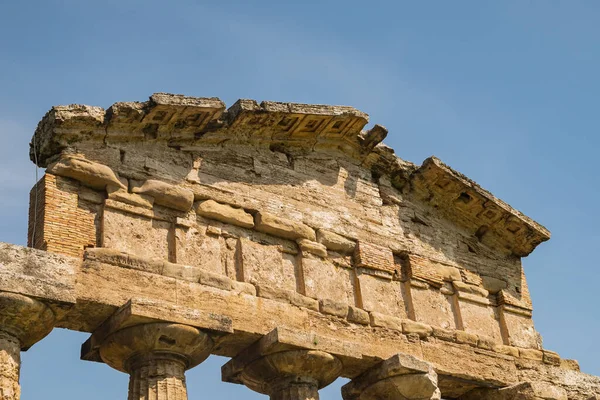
(156, 356)
(291, 374)
(401, 377)
(23, 322)
(521, 391)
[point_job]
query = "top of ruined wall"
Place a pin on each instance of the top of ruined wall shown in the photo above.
(188, 123)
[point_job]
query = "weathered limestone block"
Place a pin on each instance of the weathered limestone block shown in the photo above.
(225, 213)
(23, 322)
(518, 327)
(310, 247)
(156, 355)
(192, 247)
(167, 195)
(335, 242)
(288, 296)
(401, 377)
(285, 228)
(382, 295)
(92, 174)
(422, 330)
(433, 307)
(10, 367)
(122, 195)
(260, 264)
(477, 315)
(37, 273)
(135, 234)
(368, 255)
(324, 280)
(521, 391)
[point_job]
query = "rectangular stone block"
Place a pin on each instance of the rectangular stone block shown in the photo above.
(518, 327)
(260, 264)
(194, 247)
(433, 307)
(382, 295)
(135, 234)
(324, 280)
(480, 319)
(38, 273)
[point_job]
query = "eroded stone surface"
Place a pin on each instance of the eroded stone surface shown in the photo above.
(281, 214)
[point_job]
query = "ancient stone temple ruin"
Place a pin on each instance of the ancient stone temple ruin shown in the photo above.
(283, 236)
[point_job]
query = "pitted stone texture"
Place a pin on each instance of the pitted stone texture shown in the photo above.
(10, 365)
(401, 377)
(24, 318)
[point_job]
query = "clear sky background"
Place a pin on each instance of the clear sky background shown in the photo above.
(504, 91)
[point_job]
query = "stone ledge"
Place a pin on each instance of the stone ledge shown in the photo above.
(324, 306)
(38, 274)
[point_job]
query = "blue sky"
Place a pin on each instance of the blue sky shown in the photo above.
(505, 92)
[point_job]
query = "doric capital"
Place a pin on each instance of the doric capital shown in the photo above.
(277, 372)
(24, 318)
(126, 348)
(399, 377)
(287, 365)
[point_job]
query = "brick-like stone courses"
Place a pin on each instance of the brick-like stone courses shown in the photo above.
(65, 224)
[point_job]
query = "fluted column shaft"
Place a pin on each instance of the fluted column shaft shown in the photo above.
(157, 377)
(296, 391)
(10, 366)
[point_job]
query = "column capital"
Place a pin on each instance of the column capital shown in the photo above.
(276, 372)
(24, 318)
(286, 365)
(23, 322)
(126, 348)
(401, 376)
(156, 356)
